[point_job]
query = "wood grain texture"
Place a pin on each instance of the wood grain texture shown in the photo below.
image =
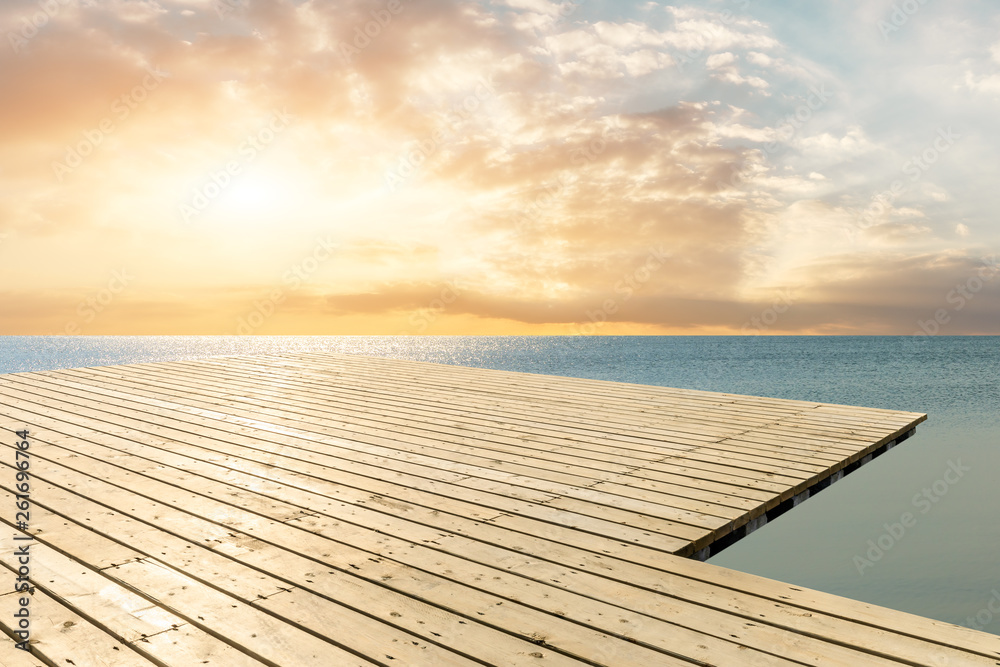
(336, 510)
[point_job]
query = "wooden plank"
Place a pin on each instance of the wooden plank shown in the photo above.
(569, 388)
(859, 454)
(729, 516)
(768, 619)
(360, 633)
(11, 656)
(583, 449)
(440, 514)
(590, 403)
(536, 513)
(723, 528)
(396, 490)
(348, 397)
(582, 452)
(629, 525)
(122, 614)
(263, 636)
(63, 637)
(204, 601)
(56, 527)
(769, 641)
(560, 501)
(746, 656)
(745, 481)
(99, 469)
(513, 618)
(609, 392)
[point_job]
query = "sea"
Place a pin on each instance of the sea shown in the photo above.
(849, 540)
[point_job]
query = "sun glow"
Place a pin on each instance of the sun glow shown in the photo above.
(258, 193)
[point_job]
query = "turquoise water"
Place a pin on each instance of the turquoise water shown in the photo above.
(945, 563)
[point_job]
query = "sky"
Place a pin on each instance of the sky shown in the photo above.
(507, 167)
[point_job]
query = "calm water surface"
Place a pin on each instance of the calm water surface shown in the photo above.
(945, 566)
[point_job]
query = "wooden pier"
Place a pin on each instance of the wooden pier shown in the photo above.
(334, 510)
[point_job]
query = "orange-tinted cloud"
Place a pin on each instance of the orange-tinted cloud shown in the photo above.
(534, 156)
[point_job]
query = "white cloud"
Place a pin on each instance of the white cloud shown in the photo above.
(629, 35)
(537, 6)
(610, 50)
(723, 66)
(987, 79)
(934, 192)
(719, 60)
(827, 147)
(646, 61)
(706, 32)
(732, 76)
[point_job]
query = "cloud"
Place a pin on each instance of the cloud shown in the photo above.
(720, 60)
(546, 157)
(830, 148)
